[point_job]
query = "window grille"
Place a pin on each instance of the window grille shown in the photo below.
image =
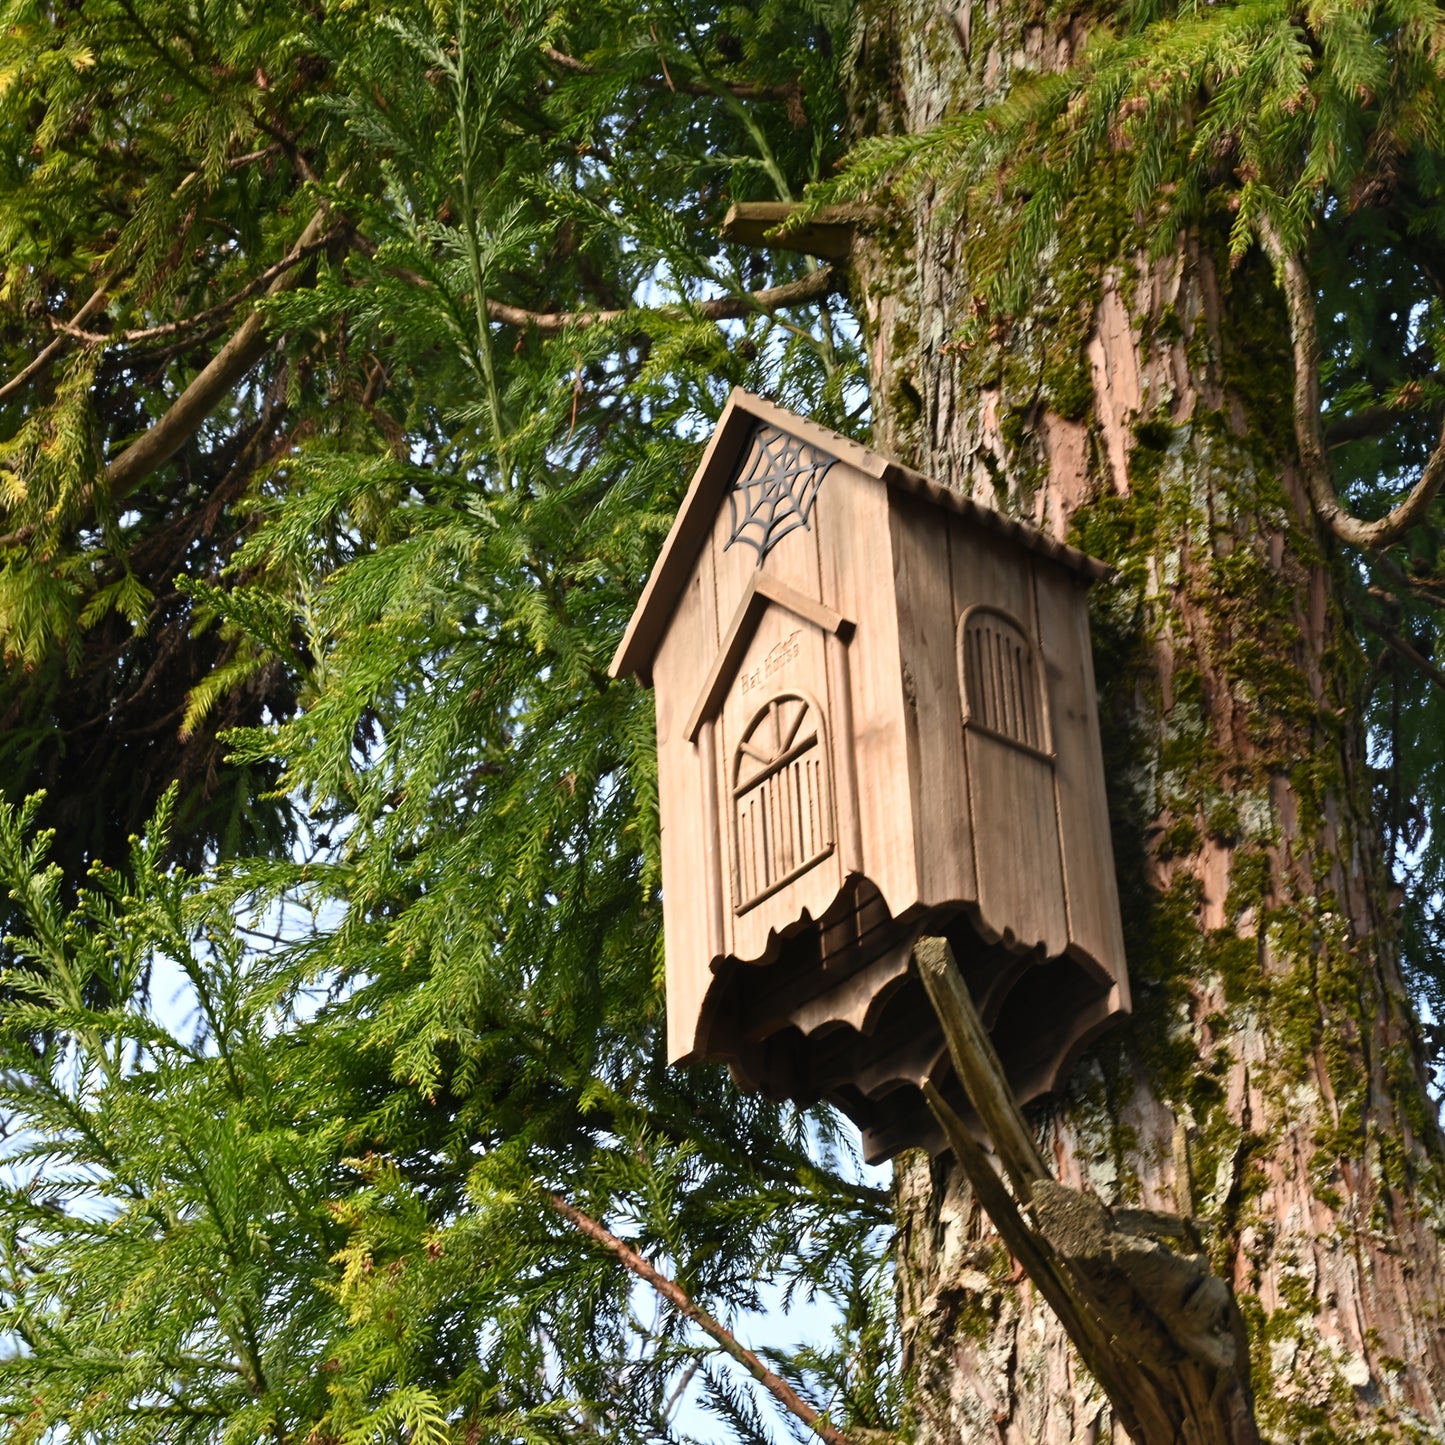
(782, 799)
(1002, 695)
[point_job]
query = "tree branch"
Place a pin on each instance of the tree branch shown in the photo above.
(1362, 425)
(740, 91)
(978, 1066)
(1309, 430)
(294, 257)
(233, 164)
(1429, 589)
(72, 329)
(629, 1258)
(813, 287)
(1401, 648)
(1374, 421)
(48, 353)
(185, 415)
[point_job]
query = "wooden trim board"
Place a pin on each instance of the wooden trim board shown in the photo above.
(762, 590)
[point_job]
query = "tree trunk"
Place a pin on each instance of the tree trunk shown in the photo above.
(1270, 1083)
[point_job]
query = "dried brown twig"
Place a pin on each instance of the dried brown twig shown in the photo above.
(629, 1258)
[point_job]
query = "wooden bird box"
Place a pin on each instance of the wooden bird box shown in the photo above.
(876, 719)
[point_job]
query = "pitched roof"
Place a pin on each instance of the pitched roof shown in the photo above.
(715, 474)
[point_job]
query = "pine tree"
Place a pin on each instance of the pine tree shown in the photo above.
(352, 364)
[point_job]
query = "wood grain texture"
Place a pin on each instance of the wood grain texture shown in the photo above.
(828, 232)
(714, 862)
(760, 590)
(857, 581)
(791, 559)
(1095, 935)
(1020, 876)
(840, 692)
(1013, 811)
(683, 800)
(986, 571)
(943, 833)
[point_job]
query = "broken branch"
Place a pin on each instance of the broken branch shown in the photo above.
(1159, 1331)
(978, 1067)
(1089, 1336)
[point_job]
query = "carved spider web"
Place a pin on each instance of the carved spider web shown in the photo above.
(774, 493)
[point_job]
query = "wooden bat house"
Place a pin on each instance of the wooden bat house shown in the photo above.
(876, 719)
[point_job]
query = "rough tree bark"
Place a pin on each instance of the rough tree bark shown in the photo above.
(1270, 1084)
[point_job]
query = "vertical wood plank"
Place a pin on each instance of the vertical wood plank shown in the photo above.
(1020, 876)
(840, 706)
(1095, 932)
(989, 568)
(933, 715)
(714, 864)
(857, 579)
(1012, 797)
(679, 670)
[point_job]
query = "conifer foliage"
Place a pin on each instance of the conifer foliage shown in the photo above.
(354, 355)
(355, 358)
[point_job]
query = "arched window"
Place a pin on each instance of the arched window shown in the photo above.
(1000, 678)
(782, 798)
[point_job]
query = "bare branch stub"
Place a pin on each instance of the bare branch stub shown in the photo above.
(827, 233)
(1157, 1328)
